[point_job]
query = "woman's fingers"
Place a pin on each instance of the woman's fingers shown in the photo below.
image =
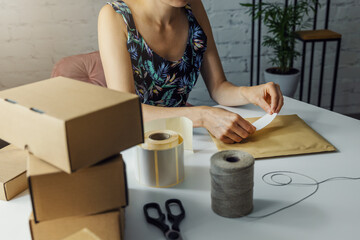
(226, 139)
(245, 127)
(239, 129)
(276, 98)
(264, 105)
(232, 136)
(227, 126)
(267, 96)
(272, 95)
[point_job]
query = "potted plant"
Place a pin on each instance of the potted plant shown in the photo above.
(281, 20)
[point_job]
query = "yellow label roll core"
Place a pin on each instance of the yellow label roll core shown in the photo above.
(160, 160)
(160, 140)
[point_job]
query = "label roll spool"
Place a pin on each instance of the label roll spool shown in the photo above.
(160, 160)
(232, 182)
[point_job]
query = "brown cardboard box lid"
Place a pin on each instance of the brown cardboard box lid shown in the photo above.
(64, 98)
(12, 172)
(56, 194)
(69, 123)
(83, 234)
(107, 226)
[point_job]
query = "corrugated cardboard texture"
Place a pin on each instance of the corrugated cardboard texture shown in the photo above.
(285, 135)
(56, 194)
(84, 234)
(68, 123)
(12, 172)
(106, 226)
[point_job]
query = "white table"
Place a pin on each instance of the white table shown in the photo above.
(332, 213)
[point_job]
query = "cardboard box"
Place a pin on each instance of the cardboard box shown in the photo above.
(56, 194)
(107, 226)
(69, 123)
(12, 172)
(83, 234)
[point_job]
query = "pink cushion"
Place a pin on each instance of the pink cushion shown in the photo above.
(83, 67)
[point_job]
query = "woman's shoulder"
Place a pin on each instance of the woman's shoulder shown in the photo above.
(198, 10)
(107, 11)
(113, 8)
(110, 18)
(195, 5)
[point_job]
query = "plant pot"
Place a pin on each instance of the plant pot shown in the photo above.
(287, 82)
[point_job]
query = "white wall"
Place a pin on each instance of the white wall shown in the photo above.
(36, 34)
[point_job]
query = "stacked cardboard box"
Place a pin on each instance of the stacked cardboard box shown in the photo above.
(108, 225)
(73, 132)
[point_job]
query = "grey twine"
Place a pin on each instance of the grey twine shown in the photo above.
(232, 182)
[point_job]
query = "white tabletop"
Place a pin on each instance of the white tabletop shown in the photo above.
(332, 213)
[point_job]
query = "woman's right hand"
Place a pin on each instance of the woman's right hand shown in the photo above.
(227, 126)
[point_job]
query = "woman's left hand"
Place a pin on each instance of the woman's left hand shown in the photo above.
(267, 96)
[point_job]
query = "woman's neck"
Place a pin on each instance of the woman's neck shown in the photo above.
(158, 12)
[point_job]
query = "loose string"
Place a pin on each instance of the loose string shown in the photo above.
(269, 178)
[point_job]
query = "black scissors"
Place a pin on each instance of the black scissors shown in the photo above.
(174, 232)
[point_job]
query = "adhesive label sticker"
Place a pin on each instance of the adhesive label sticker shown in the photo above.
(264, 121)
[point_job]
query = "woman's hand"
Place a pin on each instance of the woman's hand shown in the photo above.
(268, 96)
(227, 126)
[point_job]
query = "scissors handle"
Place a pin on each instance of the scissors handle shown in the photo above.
(173, 235)
(158, 222)
(175, 219)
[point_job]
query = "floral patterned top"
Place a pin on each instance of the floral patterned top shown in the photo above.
(160, 82)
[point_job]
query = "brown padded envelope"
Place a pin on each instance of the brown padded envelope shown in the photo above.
(285, 135)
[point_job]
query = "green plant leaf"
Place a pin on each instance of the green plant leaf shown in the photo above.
(281, 22)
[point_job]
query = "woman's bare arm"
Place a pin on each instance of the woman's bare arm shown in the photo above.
(268, 96)
(112, 35)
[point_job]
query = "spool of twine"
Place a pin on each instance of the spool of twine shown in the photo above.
(232, 182)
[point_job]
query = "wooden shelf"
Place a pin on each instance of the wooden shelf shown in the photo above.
(316, 35)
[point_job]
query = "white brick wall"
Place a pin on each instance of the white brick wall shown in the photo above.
(36, 34)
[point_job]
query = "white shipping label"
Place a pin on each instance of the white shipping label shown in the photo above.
(264, 121)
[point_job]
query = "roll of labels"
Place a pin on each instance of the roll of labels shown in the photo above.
(160, 159)
(232, 182)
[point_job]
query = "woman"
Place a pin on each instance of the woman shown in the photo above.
(156, 49)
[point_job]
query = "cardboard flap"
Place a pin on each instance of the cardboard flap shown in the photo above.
(82, 235)
(12, 163)
(36, 167)
(15, 186)
(105, 226)
(12, 172)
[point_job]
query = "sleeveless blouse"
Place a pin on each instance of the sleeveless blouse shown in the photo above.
(158, 81)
